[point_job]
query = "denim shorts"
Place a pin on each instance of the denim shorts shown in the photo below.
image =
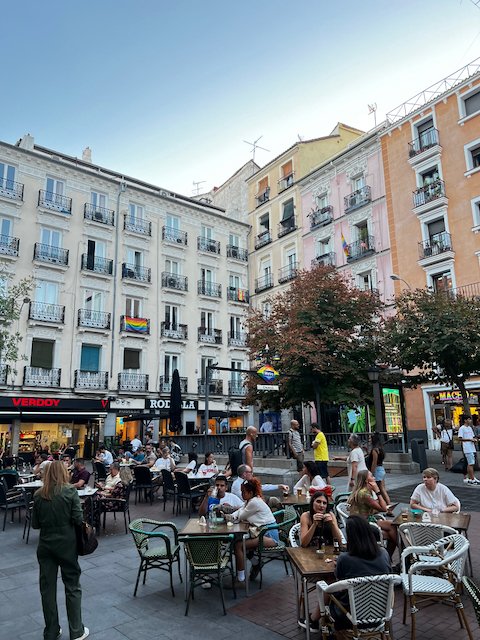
(379, 474)
(273, 534)
(470, 458)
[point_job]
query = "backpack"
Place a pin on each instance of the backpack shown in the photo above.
(235, 458)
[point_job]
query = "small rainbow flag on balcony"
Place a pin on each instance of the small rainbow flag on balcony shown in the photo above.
(139, 325)
(345, 248)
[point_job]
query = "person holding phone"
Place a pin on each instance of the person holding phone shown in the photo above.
(318, 524)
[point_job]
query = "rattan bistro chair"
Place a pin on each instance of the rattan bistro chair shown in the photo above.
(278, 552)
(473, 593)
(10, 503)
(166, 551)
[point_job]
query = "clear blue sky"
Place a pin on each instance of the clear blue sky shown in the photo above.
(167, 91)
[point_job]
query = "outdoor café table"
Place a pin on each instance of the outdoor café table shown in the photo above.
(238, 529)
(26, 476)
(308, 568)
(35, 484)
(300, 503)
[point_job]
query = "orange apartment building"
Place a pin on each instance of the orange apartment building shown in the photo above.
(431, 155)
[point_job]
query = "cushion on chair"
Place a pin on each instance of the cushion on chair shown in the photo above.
(427, 584)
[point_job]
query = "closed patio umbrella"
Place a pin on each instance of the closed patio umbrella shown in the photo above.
(175, 411)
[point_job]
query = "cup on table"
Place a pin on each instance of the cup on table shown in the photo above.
(404, 515)
(299, 493)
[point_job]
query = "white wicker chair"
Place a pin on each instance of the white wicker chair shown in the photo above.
(451, 553)
(294, 535)
(370, 607)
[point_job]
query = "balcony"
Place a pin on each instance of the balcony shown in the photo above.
(91, 379)
(209, 336)
(11, 189)
(426, 140)
(93, 319)
(263, 283)
(135, 272)
(325, 260)
(358, 199)
(40, 377)
(97, 264)
(54, 202)
(46, 312)
(215, 387)
(437, 245)
(9, 246)
(137, 225)
(4, 370)
(51, 254)
(262, 197)
(237, 339)
(286, 227)
(236, 388)
(361, 248)
(139, 326)
(210, 289)
(237, 295)
(471, 291)
(237, 253)
(429, 193)
(132, 381)
(99, 214)
(263, 238)
(170, 234)
(287, 273)
(174, 281)
(166, 384)
(321, 217)
(208, 245)
(285, 182)
(174, 331)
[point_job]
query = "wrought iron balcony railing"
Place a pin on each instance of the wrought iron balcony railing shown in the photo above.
(46, 312)
(286, 227)
(50, 253)
(210, 336)
(54, 201)
(215, 387)
(265, 282)
(132, 381)
(174, 281)
(439, 243)
(360, 248)
(326, 260)
(97, 264)
(91, 379)
(237, 339)
(428, 193)
(99, 214)
(135, 272)
(170, 234)
(94, 319)
(208, 245)
(237, 253)
(210, 289)
(321, 217)
(425, 140)
(11, 189)
(263, 238)
(237, 295)
(41, 377)
(139, 326)
(358, 198)
(288, 272)
(236, 388)
(166, 384)
(174, 331)
(137, 225)
(9, 245)
(262, 197)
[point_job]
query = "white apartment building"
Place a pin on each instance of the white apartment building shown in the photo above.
(130, 282)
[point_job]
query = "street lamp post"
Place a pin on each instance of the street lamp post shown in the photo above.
(397, 278)
(374, 376)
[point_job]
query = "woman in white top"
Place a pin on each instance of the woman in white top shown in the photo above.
(192, 464)
(309, 478)
(446, 443)
(209, 467)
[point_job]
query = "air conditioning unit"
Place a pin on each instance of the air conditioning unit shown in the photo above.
(98, 216)
(172, 282)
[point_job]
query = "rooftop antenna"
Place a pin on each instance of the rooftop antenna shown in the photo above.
(256, 146)
(372, 108)
(196, 187)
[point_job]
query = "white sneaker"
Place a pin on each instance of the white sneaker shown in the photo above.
(85, 634)
(475, 481)
(466, 480)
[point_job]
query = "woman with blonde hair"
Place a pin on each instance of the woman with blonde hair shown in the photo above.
(56, 511)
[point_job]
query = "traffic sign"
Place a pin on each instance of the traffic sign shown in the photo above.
(268, 373)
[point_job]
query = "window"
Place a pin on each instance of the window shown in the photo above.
(233, 240)
(435, 230)
(429, 176)
(90, 358)
(95, 254)
(266, 268)
(291, 258)
(234, 282)
(358, 182)
(472, 155)
(266, 310)
(98, 200)
(135, 212)
(51, 238)
(207, 275)
(236, 375)
(206, 362)
(471, 104)
(7, 176)
(131, 359)
(207, 232)
(133, 307)
(172, 266)
(135, 258)
(171, 316)
(365, 281)
(170, 363)
(288, 213)
(206, 321)
(94, 300)
(323, 247)
(442, 281)
(5, 227)
(286, 179)
(476, 211)
(235, 326)
(54, 187)
(361, 232)
(264, 222)
(322, 201)
(46, 292)
(42, 353)
(262, 185)
(173, 222)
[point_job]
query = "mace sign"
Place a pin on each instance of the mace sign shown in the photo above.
(26, 403)
(164, 403)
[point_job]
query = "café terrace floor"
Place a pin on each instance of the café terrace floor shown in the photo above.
(108, 579)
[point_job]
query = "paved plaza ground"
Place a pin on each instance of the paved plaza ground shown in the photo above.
(108, 579)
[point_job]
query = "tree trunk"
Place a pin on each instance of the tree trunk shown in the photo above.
(463, 391)
(316, 390)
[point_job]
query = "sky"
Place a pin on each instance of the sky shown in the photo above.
(168, 92)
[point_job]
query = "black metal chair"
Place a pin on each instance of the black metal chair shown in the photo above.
(100, 471)
(10, 503)
(116, 505)
(28, 519)
(169, 488)
(143, 482)
(185, 492)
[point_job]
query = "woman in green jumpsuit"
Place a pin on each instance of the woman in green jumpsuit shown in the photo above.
(56, 509)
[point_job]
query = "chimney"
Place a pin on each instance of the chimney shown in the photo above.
(27, 142)
(87, 155)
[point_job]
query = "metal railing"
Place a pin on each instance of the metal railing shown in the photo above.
(235, 252)
(135, 272)
(46, 312)
(286, 227)
(467, 290)
(437, 244)
(237, 339)
(165, 384)
(263, 197)
(266, 445)
(139, 326)
(236, 388)
(360, 248)
(425, 140)
(174, 281)
(132, 381)
(237, 295)
(209, 289)
(174, 331)
(358, 198)
(50, 253)
(4, 370)
(41, 377)
(9, 245)
(321, 217)
(215, 387)
(91, 379)
(99, 214)
(428, 192)
(54, 201)
(263, 283)
(170, 234)
(210, 336)
(326, 260)
(285, 182)
(137, 225)
(97, 264)
(11, 189)
(288, 272)
(263, 238)
(94, 319)
(208, 245)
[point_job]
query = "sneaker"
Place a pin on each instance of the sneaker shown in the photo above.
(84, 635)
(466, 481)
(206, 585)
(254, 571)
(474, 481)
(59, 633)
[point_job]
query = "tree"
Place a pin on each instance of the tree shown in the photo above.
(435, 337)
(12, 299)
(322, 330)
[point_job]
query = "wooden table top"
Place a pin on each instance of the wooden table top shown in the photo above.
(459, 521)
(310, 565)
(192, 528)
(294, 500)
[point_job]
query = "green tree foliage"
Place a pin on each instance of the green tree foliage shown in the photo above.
(12, 298)
(435, 337)
(323, 331)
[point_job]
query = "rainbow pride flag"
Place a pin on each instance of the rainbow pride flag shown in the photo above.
(345, 248)
(139, 325)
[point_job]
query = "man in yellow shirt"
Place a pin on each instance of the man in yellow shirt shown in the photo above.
(320, 451)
